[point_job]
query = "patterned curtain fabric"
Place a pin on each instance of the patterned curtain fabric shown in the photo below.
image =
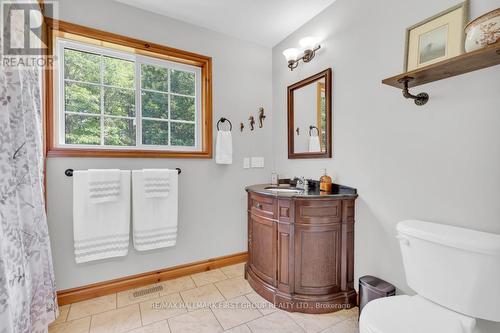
(27, 289)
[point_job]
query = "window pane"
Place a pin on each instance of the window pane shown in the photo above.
(182, 134)
(80, 129)
(119, 132)
(154, 78)
(182, 82)
(82, 97)
(182, 108)
(118, 72)
(154, 132)
(119, 102)
(154, 105)
(82, 66)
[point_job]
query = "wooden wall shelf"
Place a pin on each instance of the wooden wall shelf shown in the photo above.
(464, 63)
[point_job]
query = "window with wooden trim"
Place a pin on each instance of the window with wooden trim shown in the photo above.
(115, 96)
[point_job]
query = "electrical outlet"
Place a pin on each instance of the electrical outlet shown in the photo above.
(246, 163)
(257, 162)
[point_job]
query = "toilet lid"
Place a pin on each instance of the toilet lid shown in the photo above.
(412, 315)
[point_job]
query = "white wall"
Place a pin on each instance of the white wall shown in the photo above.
(212, 206)
(439, 162)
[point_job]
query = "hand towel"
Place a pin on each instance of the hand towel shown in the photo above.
(224, 148)
(101, 230)
(314, 144)
(156, 183)
(154, 218)
(104, 185)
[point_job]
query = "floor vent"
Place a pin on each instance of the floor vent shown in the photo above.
(147, 291)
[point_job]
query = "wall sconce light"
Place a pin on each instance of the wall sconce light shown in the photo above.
(309, 45)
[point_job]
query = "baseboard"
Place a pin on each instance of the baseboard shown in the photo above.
(134, 281)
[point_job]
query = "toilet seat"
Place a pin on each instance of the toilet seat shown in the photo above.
(412, 314)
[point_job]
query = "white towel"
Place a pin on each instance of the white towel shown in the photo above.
(154, 218)
(104, 185)
(224, 148)
(314, 144)
(156, 183)
(100, 230)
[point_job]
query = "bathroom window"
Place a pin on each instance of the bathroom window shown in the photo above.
(114, 100)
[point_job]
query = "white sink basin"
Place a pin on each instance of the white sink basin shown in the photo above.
(283, 190)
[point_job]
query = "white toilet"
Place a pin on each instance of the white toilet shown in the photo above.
(456, 275)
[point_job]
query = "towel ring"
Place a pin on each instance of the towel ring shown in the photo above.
(311, 128)
(223, 120)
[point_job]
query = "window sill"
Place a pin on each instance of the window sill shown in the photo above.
(111, 153)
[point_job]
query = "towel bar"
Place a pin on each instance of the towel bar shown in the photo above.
(69, 172)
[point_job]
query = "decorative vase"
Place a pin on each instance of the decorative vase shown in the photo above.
(483, 31)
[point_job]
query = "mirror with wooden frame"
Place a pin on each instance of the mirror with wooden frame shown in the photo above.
(310, 117)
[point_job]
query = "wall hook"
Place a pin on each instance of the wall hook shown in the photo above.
(298, 131)
(252, 122)
(261, 117)
(419, 99)
(241, 127)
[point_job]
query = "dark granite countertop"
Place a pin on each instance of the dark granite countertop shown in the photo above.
(337, 191)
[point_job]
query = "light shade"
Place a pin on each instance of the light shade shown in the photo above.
(291, 54)
(308, 43)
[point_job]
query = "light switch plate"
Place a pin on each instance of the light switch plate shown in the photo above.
(257, 162)
(246, 163)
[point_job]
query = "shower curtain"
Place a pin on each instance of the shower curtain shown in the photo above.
(27, 290)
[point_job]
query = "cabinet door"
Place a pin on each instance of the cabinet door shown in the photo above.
(262, 246)
(317, 259)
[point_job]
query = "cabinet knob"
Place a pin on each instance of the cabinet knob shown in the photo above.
(258, 205)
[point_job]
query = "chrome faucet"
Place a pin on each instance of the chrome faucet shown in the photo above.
(301, 183)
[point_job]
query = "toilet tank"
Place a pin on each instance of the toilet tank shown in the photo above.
(454, 267)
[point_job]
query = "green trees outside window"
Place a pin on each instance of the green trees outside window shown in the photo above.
(104, 102)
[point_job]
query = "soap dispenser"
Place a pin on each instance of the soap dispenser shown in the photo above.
(325, 183)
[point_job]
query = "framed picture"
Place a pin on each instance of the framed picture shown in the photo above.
(437, 38)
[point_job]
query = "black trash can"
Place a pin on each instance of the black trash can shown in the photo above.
(371, 287)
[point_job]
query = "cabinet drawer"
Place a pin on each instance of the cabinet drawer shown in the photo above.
(262, 206)
(318, 211)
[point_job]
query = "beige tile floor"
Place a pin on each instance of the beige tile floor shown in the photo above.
(215, 301)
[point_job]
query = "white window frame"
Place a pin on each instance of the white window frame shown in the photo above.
(59, 135)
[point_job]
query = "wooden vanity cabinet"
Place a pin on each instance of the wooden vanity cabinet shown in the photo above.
(301, 251)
